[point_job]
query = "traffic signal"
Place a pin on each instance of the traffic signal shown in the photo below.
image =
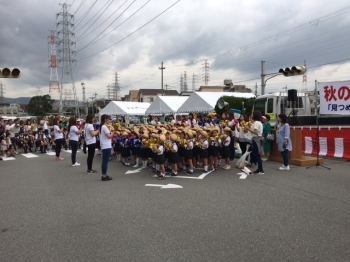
(9, 73)
(293, 71)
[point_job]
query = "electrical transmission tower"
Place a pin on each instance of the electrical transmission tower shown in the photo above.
(116, 93)
(304, 87)
(185, 82)
(181, 83)
(38, 91)
(206, 77)
(109, 92)
(54, 83)
(194, 82)
(67, 97)
(66, 60)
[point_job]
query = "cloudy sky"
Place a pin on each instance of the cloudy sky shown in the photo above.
(234, 37)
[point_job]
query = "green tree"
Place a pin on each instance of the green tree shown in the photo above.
(40, 105)
(236, 103)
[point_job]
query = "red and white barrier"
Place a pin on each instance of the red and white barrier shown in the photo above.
(333, 142)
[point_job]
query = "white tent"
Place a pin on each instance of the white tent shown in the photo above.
(206, 101)
(166, 105)
(125, 108)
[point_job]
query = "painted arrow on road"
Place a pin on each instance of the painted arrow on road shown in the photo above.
(134, 171)
(165, 186)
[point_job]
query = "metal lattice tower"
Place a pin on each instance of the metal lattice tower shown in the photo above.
(116, 93)
(54, 82)
(181, 83)
(109, 92)
(194, 82)
(206, 77)
(304, 87)
(65, 43)
(67, 97)
(185, 82)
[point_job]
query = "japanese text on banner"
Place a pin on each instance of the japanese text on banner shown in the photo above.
(335, 98)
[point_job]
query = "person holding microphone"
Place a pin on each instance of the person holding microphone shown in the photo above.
(74, 134)
(58, 131)
(106, 145)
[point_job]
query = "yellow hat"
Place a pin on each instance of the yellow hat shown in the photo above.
(162, 138)
(173, 137)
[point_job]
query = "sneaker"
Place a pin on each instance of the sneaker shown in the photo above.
(135, 166)
(227, 167)
(91, 171)
(106, 178)
(59, 158)
(287, 167)
(161, 177)
(188, 172)
(76, 164)
(261, 173)
(264, 159)
(204, 171)
(256, 172)
(283, 167)
(173, 174)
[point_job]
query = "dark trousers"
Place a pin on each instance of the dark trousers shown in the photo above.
(106, 153)
(257, 156)
(91, 153)
(74, 146)
(58, 146)
(243, 146)
(14, 143)
(285, 157)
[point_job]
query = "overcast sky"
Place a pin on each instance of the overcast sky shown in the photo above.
(234, 36)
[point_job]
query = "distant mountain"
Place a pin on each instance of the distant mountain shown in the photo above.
(19, 100)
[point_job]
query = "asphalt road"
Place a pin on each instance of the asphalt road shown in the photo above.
(51, 211)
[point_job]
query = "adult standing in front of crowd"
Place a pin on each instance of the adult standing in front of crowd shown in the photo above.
(266, 132)
(74, 134)
(106, 145)
(257, 140)
(283, 140)
(90, 140)
(58, 131)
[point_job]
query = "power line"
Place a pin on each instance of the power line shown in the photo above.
(120, 24)
(133, 31)
(106, 19)
(84, 15)
(111, 1)
(81, 4)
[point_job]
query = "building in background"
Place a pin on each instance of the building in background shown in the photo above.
(149, 95)
(13, 110)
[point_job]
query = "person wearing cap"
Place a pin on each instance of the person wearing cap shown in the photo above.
(266, 132)
(160, 160)
(173, 155)
(204, 150)
(189, 152)
(225, 150)
(106, 145)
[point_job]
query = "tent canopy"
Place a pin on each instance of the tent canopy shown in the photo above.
(166, 105)
(206, 101)
(125, 108)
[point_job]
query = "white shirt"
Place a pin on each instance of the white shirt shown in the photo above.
(204, 143)
(190, 123)
(105, 142)
(58, 135)
(257, 125)
(42, 136)
(227, 141)
(174, 147)
(45, 124)
(72, 133)
(172, 122)
(161, 149)
(13, 130)
(190, 145)
(88, 138)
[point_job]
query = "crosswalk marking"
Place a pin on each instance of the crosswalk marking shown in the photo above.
(8, 158)
(29, 155)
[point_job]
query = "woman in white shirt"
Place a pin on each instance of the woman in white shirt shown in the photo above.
(74, 134)
(257, 140)
(58, 137)
(106, 145)
(90, 140)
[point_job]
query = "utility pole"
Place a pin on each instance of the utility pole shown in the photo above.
(1, 93)
(262, 77)
(181, 83)
(85, 103)
(162, 68)
(256, 89)
(166, 87)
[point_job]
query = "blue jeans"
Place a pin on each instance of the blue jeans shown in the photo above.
(106, 153)
(285, 157)
(74, 146)
(257, 157)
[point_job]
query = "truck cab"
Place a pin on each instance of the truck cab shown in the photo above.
(277, 103)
